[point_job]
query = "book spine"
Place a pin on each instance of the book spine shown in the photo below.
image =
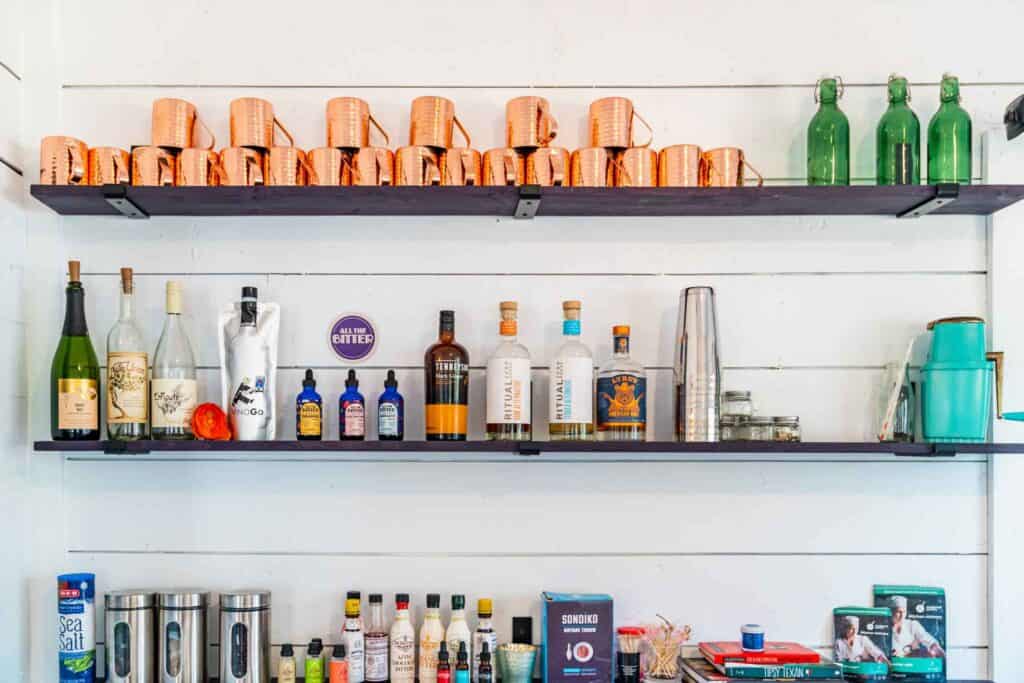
(792, 671)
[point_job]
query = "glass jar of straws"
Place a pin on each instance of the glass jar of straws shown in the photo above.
(663, 643)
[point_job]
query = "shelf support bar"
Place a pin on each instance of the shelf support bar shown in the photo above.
(945, 193)
(117, 197)
(529, 201)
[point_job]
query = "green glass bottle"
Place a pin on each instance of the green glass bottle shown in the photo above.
(75, 373)
(898, 139)
(828, 139)
(949, 137)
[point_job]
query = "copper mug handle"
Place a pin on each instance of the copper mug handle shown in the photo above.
(433, 172)
(557, 169)
(346, 162)
(384, 173)
(387, 138)
(462, 130)
(650, 132)
(543, 112)
(202, 124)
(468, 170)
(760, 178)
(219, 170)
(509, 160)
(165, 176)
(622, 169)
(706, 168)
(254, 171)
(312, 177)
(291, 140)
(77, 165)
(119, 167)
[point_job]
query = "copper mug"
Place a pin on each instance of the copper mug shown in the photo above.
(243, 166)
(198, 167)
(417, 165)
(723, 167)
(109, 166)
(548, 166)
(63, 160)
(153, 166)
(460, 166)
(288, 166)
(330, 166)
(431, 121)
(639, 168)
(529, 123)
(348, 123)
(174, 124)
(252, 124)
(595, 167)
(611, 123)
(373, 166)
(504, 166)
(680, 166)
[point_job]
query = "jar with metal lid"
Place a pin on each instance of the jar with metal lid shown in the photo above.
(245, 636)
(728, 428)
(129, 636)
(181, 636)
(737, 403)
(786, 428)
(759, 429)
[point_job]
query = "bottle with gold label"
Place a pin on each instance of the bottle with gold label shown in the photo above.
(508, 382)
(75, 372)
(621, 393)
(174, 393)
(127, 371)
(446, 369)
(309, 411)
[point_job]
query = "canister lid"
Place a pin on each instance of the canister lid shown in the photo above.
(752, 629)
(737, 395)
(129, 599)
(786, 419)
(760, 421)
(182, 599)
(955, 319)
(245, 599)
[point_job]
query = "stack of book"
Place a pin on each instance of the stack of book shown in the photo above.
(723, 662)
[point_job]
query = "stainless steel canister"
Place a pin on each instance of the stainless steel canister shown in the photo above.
(181, 636)
(245, 636)
(698, 371)
(129, 636)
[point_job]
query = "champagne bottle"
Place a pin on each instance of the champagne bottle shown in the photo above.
(127, 371)
(828, 139)
(898, 139)
(174, 375)
(949, 137)
(75, 372)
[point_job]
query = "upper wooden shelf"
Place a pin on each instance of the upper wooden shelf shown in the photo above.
(526, 201)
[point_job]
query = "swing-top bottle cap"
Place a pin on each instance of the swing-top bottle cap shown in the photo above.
(391, 382)
(309, 382)
(351, 382)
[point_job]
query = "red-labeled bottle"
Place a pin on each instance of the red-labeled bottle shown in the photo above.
(444, 669)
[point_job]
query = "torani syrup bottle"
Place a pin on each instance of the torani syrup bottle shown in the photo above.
(309, 411)
(446, 370)
(352, 411)
(391, 411)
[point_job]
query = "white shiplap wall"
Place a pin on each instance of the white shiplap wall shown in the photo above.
(810, 309)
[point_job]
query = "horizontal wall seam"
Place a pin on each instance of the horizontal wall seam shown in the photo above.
(519, 555)
(604, 276)
(513, 86)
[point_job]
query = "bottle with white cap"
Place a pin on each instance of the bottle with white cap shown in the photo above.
(173, 390)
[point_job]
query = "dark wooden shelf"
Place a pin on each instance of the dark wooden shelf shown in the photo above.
(864, 200)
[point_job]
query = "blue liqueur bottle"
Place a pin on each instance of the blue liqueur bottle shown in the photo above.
(309, 411)
(391, 411)
(352, 411)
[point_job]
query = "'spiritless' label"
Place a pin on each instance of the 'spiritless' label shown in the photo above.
(127, 387)
(78, 404)
(571, 397)
(508, 391)
(174, 401)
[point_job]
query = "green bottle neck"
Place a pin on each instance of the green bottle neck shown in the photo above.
(74, 312)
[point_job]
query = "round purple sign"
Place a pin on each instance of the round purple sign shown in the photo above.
(352, 337)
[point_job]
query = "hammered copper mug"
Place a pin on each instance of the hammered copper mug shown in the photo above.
(612, 122)
(109, 166)
(460, 166)
(174, 124)
(348, 123)
(243, 166)
(594, 167)
(373, 166)
(680, 166)
(431, 122)
(417, 165)
(723, 167)
(639, 168)
(153, 166)
(252, 124)
(199, 167)
(288, 166)
(63, 160)
(330, 165)
(548, 166)
(504, 166)
(529, 123)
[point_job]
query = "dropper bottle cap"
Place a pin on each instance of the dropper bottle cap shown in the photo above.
(351, 382)
(309, 382)
(391, 382)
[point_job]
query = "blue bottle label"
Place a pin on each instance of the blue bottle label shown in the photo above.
(621, 401)
(389, 420)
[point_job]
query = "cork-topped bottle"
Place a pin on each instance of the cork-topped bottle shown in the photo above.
(509, 388)
(127, 406)
(75, 371)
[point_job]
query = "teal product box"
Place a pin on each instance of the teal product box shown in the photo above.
(577, 638)
(863, 641)
(918, 630)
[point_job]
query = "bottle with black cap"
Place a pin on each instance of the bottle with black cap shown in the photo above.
(485, 672)
(286, 665)
(431, 637)
(446, 368)
(376, 670)
(352, 636)
(352, 411)
(391, 411)
(444, 669)
(403, 643)
(462, 664)
(248, 374)
(309, 411)
(315, 661)
(458, 630)
(338, 668)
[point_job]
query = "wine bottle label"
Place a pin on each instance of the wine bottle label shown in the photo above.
(403, 658)
(621, 401)
(447, 418)
(174, 401)
(309, 419)
(127, 380)
(353, 419)
(78, 404)
(508, 391)
(571, 397)
(376, 659)
(387, 419)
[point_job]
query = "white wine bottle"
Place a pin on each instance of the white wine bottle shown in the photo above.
(174, 375)
(127, 371)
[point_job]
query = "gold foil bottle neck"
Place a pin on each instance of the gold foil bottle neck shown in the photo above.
(127, 286)
(74, 271)
(174, 297)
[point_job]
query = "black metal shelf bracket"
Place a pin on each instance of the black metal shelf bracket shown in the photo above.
(117, 197)
(945, 194)
(529, 201)
(113, 447)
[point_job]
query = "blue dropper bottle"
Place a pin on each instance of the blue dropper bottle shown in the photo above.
(309, 411)
(391, 411)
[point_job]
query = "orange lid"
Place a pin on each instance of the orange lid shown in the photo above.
(620, 330)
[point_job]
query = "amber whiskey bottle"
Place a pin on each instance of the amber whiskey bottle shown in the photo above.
(446, 368)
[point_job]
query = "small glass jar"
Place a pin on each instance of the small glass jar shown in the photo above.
(786, 428)
(759, 429)
(737, 403)
(728, 428)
